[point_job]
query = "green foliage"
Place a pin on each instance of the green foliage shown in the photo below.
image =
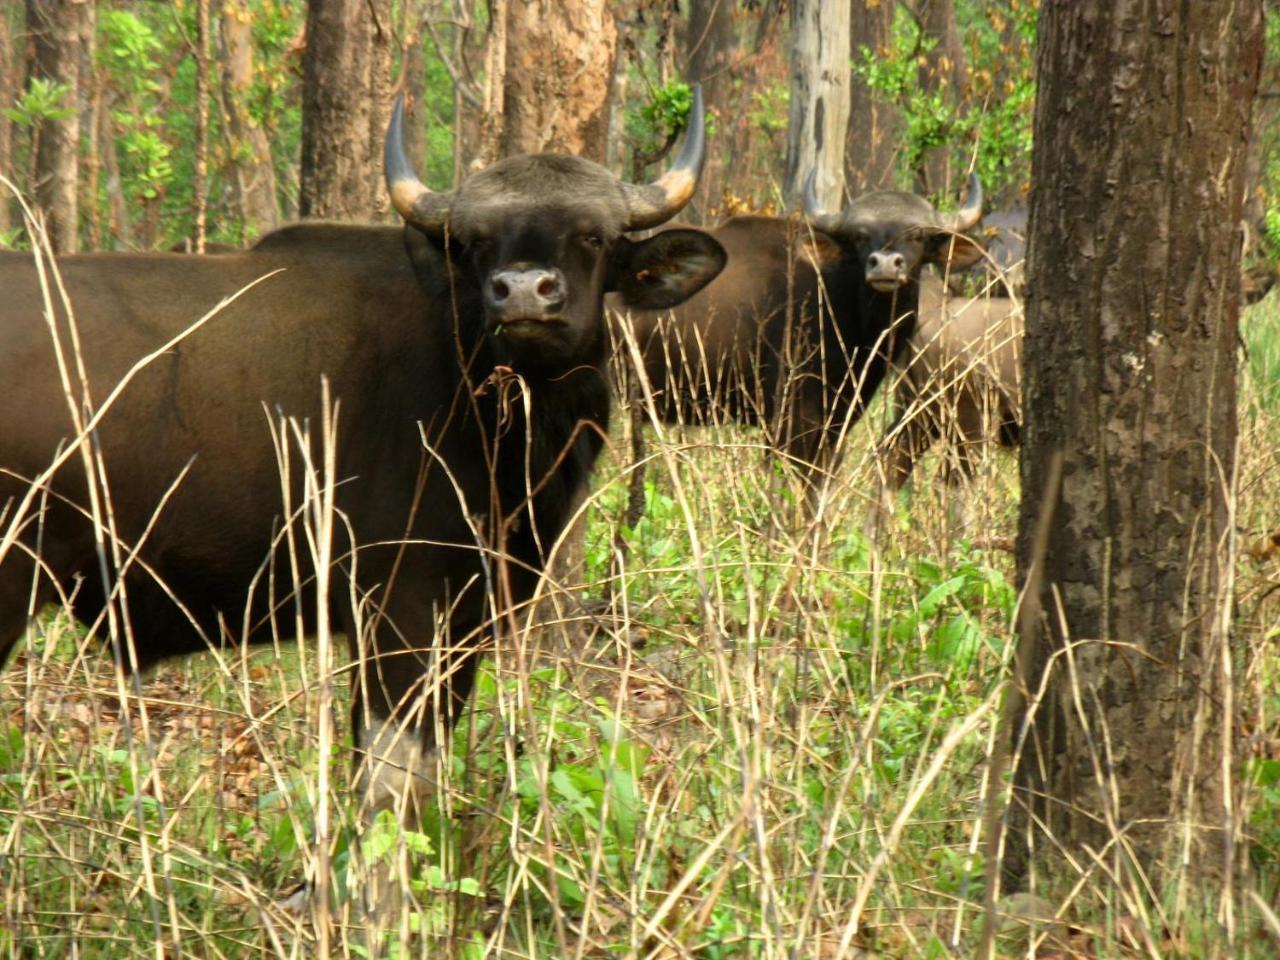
(42, 100)
(653, 123)
(996, 115)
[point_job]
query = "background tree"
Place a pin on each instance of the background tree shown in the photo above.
(559, 63)
(248, 168)
(871, 149)
(8, 95)
(944, 79)
(1134, 266)
(710, 50)
(346, 78)
(819, 116)
(55, 31)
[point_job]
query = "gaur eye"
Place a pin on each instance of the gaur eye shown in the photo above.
(593, 240)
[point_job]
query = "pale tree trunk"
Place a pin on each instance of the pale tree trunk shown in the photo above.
(818, 121)
(8, 92)
(944, 71)
(380, 94)
(121, 224)
(200, 177)
(413, 56)
(249, 167)
(347, 57)
(615, 137)
(559, 61)
(710, 44)
(871, 149)
(55, 29)
(1131, 353)
(91, 162)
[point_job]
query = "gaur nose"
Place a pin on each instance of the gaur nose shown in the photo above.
(526, 293)
(883, 261)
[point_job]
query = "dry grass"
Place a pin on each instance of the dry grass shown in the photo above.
(774, 745)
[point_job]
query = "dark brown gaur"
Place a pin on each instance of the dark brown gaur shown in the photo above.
(797, 332)
(465, 354)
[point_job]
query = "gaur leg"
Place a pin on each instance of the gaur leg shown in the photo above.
(20, 596)
(411, 686)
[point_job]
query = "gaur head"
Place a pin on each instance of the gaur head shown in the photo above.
(892, 233)
(539, 240)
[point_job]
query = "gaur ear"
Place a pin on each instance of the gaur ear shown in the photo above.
(426, 254)
(962, 251)
(820, 250)
(666, 269)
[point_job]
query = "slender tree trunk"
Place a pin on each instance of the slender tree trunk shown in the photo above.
(943, 71)
(414, 76)
(559, 60)
(8, 93)
(710, 44)
(381, 41)
(1131, 358)
(55, 29)
(200, 177)
(615, 137)
(819, 117)
(347, 55)
(249, 167)
(121, 223)
(871, 149)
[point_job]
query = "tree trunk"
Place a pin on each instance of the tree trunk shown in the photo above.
(871, 148)
(121, 224)
(1138, 171)
(414, 78)
(710, 45)
(8, 93)
(818, 119)
(200, 174)
(559, 61)
(249, 167)
(348, 51)
(55, 29)
(943, 71)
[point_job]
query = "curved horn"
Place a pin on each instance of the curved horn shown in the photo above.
(968, 216)
(651, 204)
(412, 198)
(813, 211)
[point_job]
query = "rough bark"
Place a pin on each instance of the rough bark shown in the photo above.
(8, 91)
(55, 30)
(943, 71)
(1141, 124)
(559, 61)
(710, 48)
(414, 76)
(249, 168)
(818, 120)
(871, 148)
(342, 79)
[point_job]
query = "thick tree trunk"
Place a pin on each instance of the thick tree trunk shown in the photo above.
(710, 44)
(55, 29)
(559, 61)
(871, 148)
(1131, 353)
(249, 167)
(818, 121)
(348, 52)
(943, 71)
